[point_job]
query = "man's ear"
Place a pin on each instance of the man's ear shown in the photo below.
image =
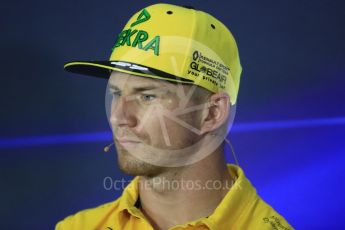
(216, 113)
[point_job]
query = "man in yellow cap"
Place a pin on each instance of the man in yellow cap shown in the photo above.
(173, 79)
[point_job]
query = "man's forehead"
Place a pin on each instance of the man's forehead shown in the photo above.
(121, 80)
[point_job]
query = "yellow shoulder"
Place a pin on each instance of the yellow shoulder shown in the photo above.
(260, 215)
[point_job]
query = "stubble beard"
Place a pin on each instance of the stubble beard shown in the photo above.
(132, 165)
(142, 162)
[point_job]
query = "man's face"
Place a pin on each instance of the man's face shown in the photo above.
(152, 120)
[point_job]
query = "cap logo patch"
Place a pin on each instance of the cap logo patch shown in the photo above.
(136, 38)
(143, 16)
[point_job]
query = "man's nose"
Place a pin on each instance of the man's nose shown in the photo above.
(122, 112)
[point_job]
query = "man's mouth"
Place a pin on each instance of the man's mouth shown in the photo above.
(127, 142)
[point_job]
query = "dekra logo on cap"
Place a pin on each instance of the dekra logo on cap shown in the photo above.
(138, 38)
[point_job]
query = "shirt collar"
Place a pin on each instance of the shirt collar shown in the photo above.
(234, 202)
(129, 197)
(225, 214)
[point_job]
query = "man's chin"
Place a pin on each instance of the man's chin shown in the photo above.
(131, 165)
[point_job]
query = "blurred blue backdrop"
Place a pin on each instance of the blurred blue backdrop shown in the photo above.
(289, 131)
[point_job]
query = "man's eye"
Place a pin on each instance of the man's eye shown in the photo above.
(116, 93)
(148, 97)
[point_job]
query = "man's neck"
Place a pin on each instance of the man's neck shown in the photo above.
(184, 194)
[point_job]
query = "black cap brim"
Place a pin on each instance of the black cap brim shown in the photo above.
(103, 69)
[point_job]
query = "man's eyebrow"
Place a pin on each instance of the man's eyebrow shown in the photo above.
(147, 88)
(141, 88)
(114, 87)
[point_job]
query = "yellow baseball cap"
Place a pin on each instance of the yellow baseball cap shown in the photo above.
(176, 44)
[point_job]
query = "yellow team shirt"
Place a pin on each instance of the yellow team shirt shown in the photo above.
(241, 208)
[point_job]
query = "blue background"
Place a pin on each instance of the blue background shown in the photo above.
(289, 129)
